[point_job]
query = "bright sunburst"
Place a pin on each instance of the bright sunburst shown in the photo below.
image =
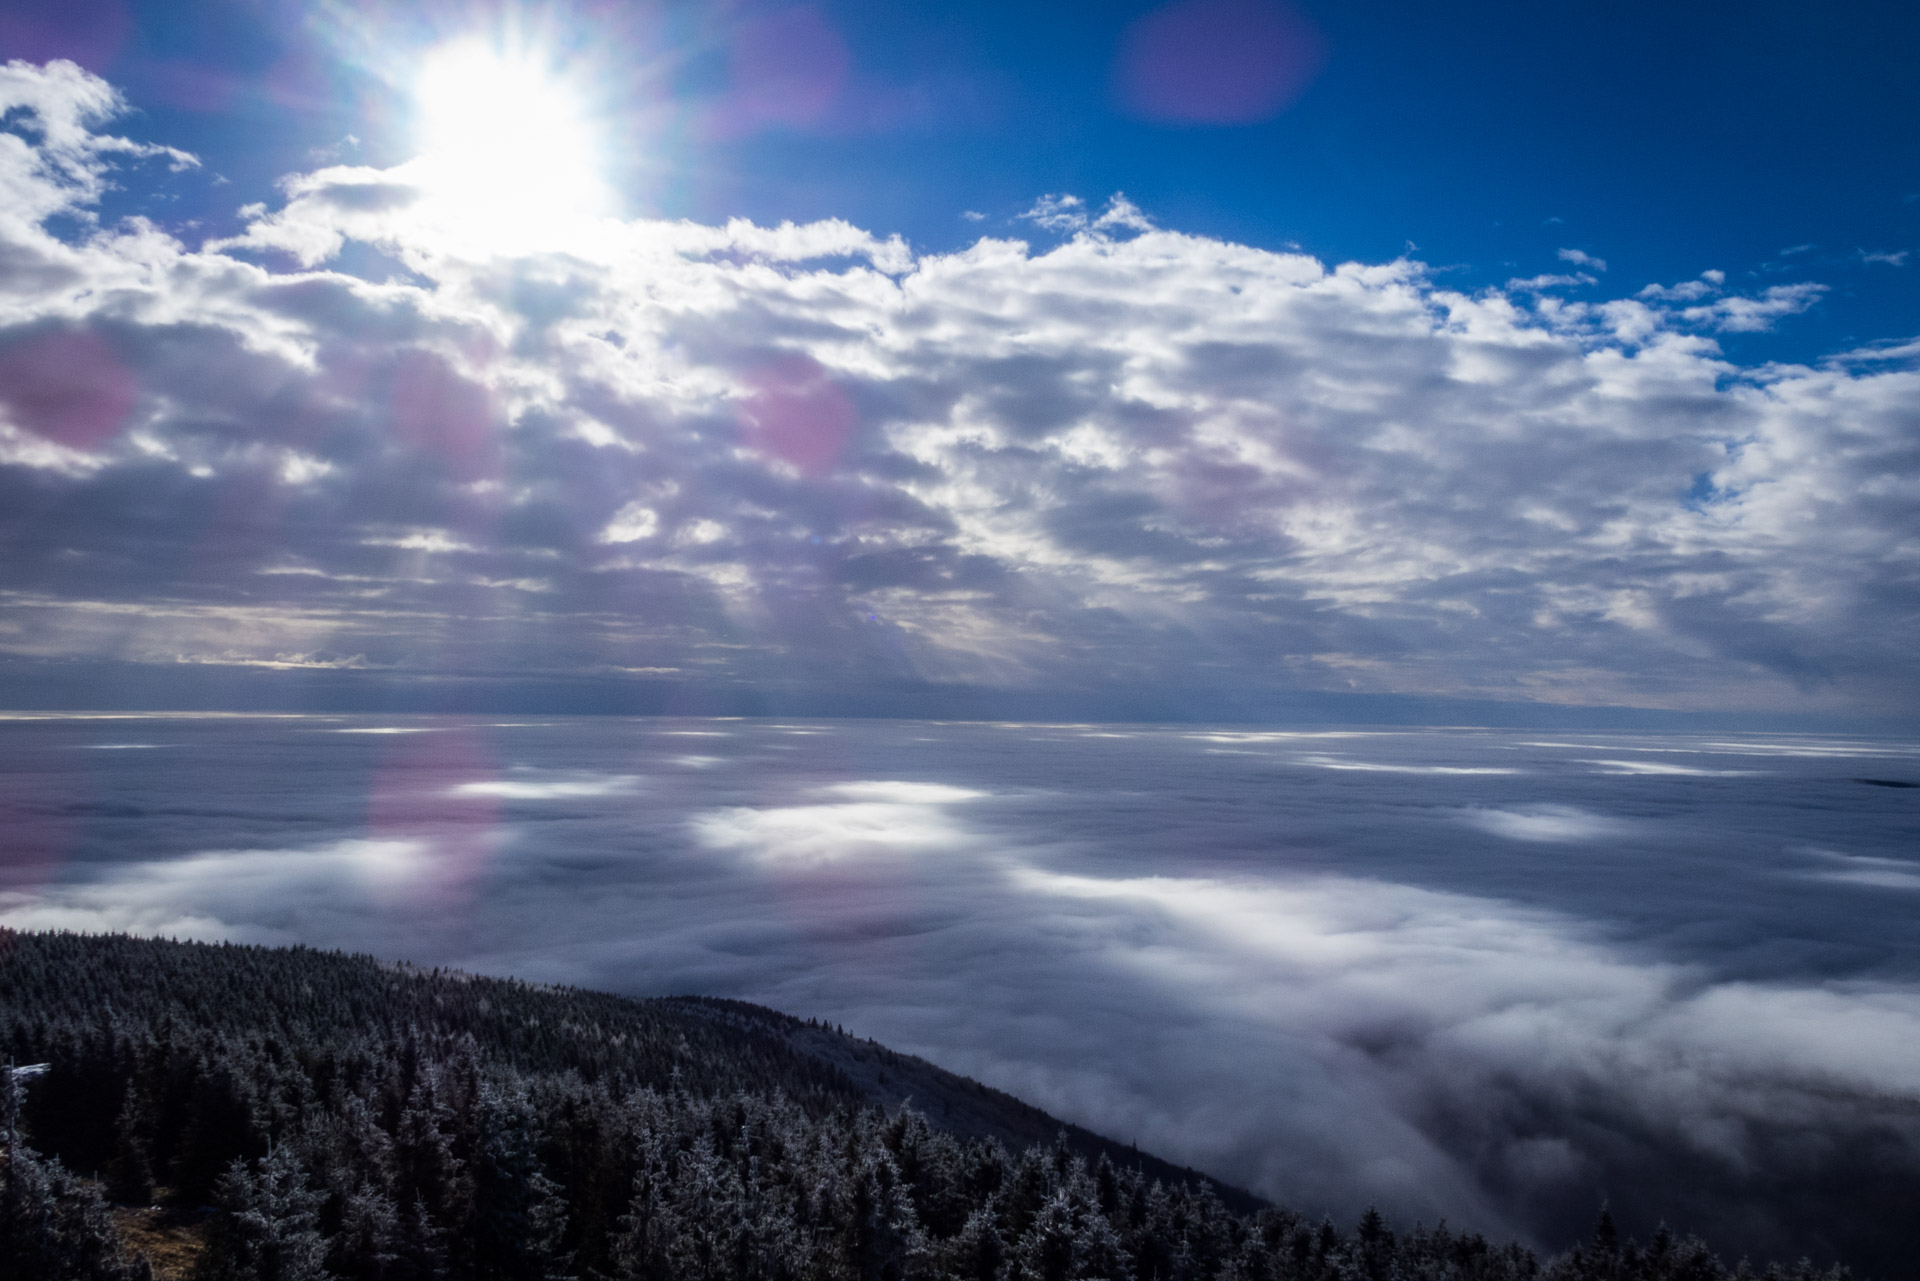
(508, 148)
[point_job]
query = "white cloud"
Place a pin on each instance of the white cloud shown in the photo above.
(385, 729)
(1058, 213)
(1869, 871)
(1123, 213)
(878, 819)
(1063, 213)
(1581, 258)
(543, 788)
(904, 793)
(1554, 823)
(1322, 761)
(1410, 1014)
(1755, 315)
(421, 540)
(1685, 291)
(66, 167)
(1662, 767)
(801, 453)
(631, 524)
(221, 894)
(1542, 283)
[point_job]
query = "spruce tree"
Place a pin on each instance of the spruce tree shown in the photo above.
(269, 1228)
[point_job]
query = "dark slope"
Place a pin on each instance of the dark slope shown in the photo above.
(957, 1104)
(300, 996)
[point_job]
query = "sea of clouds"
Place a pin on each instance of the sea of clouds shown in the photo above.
(1488, 976)
(1495, 977)
(352, 439)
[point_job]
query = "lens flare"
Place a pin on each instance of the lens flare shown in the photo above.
(509, 152)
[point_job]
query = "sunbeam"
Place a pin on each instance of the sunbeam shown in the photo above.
(509, 153)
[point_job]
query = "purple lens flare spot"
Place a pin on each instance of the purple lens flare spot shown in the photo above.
(1217, 62)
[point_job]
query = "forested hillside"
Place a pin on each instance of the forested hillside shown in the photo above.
(299, 1115)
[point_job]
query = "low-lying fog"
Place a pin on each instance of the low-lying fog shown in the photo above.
(1488, 976)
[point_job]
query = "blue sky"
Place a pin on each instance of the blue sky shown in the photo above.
(1209, 358)
(1768, 139)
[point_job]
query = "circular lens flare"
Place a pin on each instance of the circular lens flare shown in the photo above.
(509, 152)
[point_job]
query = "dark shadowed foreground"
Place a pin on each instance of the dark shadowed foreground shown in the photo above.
(297, 1114)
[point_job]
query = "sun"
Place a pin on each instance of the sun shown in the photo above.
(508, 150)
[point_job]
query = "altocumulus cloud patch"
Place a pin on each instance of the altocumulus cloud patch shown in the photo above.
(806, 454)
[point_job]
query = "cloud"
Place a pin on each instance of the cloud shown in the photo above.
(1499, 992)
(62, 169)
(1713, 310)
(805, 458)
(1070, 213)
(1581, 258)
(1323, 761)
(877, 819)
(1869, 871)
(631, 524)
(242, 895)
(1494, 985)
(534, 788)
(1707, 284)
(1542, 283)
(1662, 767)
(1556, 823)
(905, 793)
(1756, 315)
(1058, 213)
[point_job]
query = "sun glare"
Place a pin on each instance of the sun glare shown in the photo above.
(508, 149)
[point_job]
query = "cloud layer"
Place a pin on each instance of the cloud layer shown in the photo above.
(806, 457)
(1489, 978)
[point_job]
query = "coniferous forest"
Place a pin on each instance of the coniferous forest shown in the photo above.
(229, 1113)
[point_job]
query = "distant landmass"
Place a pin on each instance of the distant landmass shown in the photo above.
(209, 1112)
